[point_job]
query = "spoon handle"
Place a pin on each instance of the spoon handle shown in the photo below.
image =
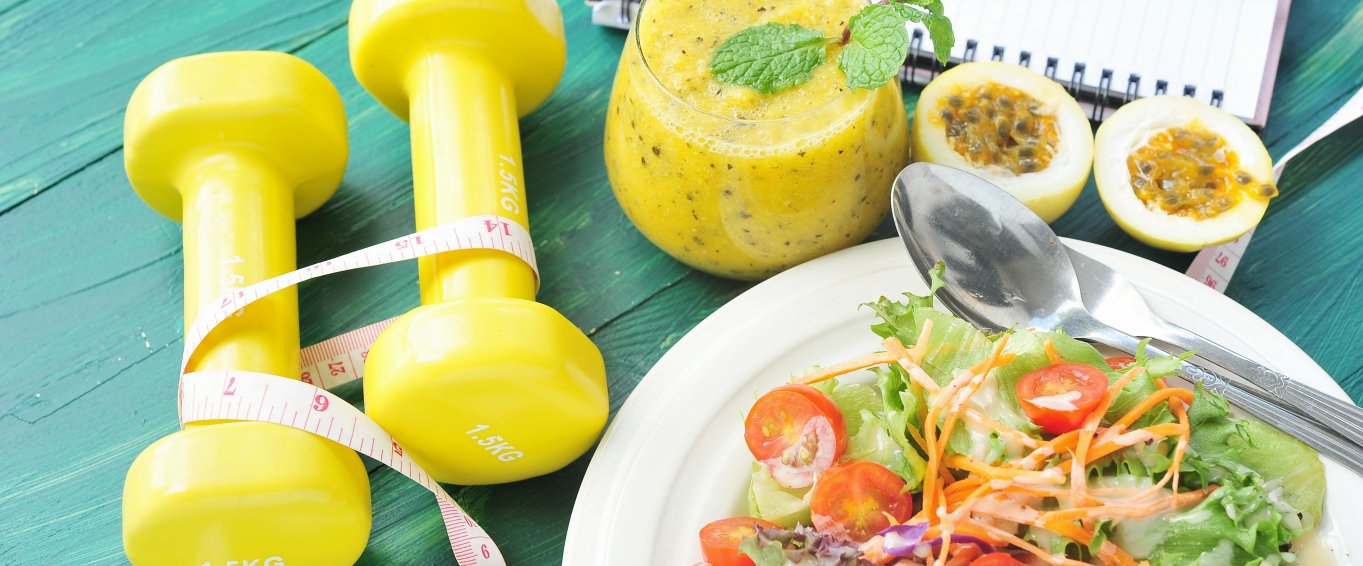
(1325, 441)
(1344, 417)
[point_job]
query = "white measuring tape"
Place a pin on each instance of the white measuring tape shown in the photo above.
(1214, 266)
(306, 405)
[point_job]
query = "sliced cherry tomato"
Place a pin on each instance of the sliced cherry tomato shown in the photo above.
(997, 559)
(851, 500)
(719, 540)
(1119, 363)
(797, 431)
(1059, 397)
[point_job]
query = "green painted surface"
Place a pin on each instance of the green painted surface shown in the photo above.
(90, 278)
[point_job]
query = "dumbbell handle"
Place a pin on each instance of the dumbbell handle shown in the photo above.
(466, 160)
(239, 230)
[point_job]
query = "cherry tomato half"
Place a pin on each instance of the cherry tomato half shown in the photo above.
(1059, 397)
(719, 540)
(797, 431)
(1119, 363)
(997, 559)
(851, 500)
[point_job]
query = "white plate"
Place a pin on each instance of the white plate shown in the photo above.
(674, 459)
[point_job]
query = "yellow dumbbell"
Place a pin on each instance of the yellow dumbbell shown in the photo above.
(235, 145)
(481, 383)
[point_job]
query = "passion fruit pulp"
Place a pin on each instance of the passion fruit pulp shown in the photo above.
(1181, 175)
(994, 125)
(1189, 171)
(1011, 126)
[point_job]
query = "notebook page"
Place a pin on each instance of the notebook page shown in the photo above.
(1205, 46)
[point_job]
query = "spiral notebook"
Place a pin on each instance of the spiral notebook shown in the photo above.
(1106, 52)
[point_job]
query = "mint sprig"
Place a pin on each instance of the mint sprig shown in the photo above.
(877, 43)
(770, 58)
(773, 57)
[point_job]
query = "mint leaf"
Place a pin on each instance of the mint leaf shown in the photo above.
(932, 16)
(878, 44)
(769, 58)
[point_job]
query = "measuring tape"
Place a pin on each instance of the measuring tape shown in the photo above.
(1214, 266)
(306, 405)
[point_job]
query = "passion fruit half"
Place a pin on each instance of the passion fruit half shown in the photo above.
(1011, 126)
(1181, 175)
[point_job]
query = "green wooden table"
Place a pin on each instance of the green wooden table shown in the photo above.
(90, 278)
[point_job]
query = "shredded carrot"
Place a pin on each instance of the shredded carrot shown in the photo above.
(920, 346)
(964, 486)
(963, 462)
(909, 360)
(1125, 511)
(969, 381)
(1052, 355)
(1180, 447)
(1109, 553)
(1106, 447)
(1028, 516)
(946, 547)
(1078, 475)
(849, 366)
(916, 436)
(1149, 402)
(961, 503)
(930, 431)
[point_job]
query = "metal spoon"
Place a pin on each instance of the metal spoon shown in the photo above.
(1112, 299)
(1006, 267)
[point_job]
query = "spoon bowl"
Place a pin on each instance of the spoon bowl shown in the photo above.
(1002, 269)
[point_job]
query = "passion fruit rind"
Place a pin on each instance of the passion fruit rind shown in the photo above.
(968, 118)
(1181, 175)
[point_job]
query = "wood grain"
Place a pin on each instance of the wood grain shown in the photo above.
(90, 298)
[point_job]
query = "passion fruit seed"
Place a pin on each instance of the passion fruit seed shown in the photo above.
(1190, 172)
(991, 124)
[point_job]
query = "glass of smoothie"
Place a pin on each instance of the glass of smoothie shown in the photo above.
(738, 183)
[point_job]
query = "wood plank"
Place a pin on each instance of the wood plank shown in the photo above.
(62, 109)
(93, 335)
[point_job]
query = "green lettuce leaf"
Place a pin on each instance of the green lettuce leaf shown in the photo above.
(1234, 525)
(984, 445)
(902, 403)
(768, 500)
(763, 552)
(1290, 464)
(1247, 452)
(852, 399)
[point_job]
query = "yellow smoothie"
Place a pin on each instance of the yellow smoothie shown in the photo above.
(734, 182)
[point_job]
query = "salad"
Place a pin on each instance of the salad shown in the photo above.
(1021, 447)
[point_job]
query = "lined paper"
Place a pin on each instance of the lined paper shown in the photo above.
(1202, 45)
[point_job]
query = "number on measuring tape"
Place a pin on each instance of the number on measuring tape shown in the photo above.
(1214, 266)
(267, 398)
(237, 395)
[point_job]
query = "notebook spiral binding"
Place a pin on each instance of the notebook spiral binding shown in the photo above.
(1097, 100)
(922, 65)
